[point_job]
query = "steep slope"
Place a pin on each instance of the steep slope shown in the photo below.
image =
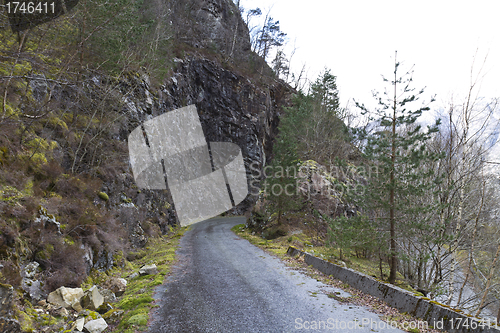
(69, 203)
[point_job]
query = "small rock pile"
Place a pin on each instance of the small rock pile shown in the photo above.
(87, 311)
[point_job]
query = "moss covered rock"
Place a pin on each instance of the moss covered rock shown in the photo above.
(103, 196)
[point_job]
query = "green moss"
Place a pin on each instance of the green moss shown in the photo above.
(92, 315)
(26, 321)
(140, 319)
(103, 196)
(47, 320)
(9, 193)
(158, 279)
(5, 285)
(137, 301)
(94, 278)
(4, 154)
(46, 253)
(38, 159)
(113, 315)
(131, 302)
(56, 122)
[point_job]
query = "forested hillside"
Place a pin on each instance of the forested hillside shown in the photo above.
(375, 188)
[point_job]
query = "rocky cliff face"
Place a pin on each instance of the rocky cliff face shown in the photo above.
(213, 25)
(231, 107)
(241, 107)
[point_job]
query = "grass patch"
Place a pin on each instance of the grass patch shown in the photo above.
(279, 246)
(137, 301)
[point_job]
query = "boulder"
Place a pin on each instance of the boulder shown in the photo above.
(48, 221)
(138, 237)
(109, 296)
(92, 299)
(95, 326)
(117, 285)
(78, 324)
(148, 270)
(102, 259)
(66, 297)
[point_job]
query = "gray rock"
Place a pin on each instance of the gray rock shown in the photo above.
(30, 270)
(78, 324)
(6, 294)
(105, 307)
(113, 316)
(109, 296)
(33, 289)
(39, 87)
(148, 270)
(95, 326)
(133, 275)
(92, 299)
(61, 312)
(137, 237)
(66, 297)
(90, 315)
(118, 286)
(103, 260)
(48, 221)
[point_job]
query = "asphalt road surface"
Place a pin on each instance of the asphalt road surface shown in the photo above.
(222, 283)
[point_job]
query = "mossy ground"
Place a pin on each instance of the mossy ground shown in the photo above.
(279, 246)
(137, 301)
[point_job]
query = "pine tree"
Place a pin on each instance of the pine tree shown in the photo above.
(398, 149)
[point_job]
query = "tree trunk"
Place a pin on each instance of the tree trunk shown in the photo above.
(471, 251)
(393, 254)
(488, 281)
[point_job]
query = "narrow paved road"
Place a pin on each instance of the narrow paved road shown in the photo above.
(223, 283)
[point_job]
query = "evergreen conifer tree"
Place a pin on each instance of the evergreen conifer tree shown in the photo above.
(398, 148)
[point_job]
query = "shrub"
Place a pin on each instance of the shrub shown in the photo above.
(10, 273)
(67, 266)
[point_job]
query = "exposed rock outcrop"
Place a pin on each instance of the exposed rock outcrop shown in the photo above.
(231, 107)
(215, 25)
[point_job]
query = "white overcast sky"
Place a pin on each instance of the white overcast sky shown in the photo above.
(357, 40)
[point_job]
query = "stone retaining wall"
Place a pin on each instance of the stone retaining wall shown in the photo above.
(435, 314)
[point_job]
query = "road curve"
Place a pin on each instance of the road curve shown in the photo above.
(222, 283)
